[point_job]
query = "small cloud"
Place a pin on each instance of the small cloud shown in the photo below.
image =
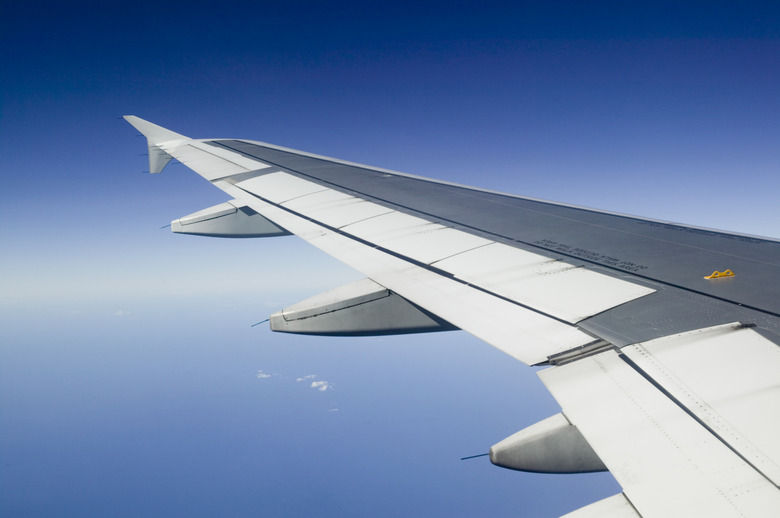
(333, 410)
(121, 313)
(322, 386)
(309, 379)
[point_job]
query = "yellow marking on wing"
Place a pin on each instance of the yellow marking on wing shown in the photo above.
(717, 275)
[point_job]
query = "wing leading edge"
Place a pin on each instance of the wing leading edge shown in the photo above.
(618, 307)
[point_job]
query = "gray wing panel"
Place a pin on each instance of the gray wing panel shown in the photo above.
(673, 259)
(674, 255)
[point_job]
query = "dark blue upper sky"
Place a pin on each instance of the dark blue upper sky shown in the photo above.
(128, 373)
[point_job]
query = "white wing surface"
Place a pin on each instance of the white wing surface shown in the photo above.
(669, 379)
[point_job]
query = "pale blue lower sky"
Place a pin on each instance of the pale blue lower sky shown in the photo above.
(162, 406)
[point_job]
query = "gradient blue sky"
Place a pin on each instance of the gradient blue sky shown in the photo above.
(129, 375)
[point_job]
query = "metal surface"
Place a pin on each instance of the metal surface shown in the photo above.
(616, 506)
(495, 320)
(414, 237)
(552, 445)
(666, 462)
(360, 308)
(335, 208)
(683, 414)
(538, 281)
(703, 371)
(674, 255)
(533, 281)
(227, 220)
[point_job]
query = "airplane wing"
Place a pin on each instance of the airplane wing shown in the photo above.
(661, 340)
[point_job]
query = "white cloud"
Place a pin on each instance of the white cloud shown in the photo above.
(121, 313)
(322, 386)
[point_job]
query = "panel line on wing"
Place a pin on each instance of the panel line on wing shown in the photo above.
(692, 368)
(395, 254)
(531, 245)
(497, 321)
(280, 187)
(250, 164)
(691, 413)
(531, 280)
(336, 208)
(616, 409)
(415, 237)
(387, 172)
(210, 163)
(539, 281)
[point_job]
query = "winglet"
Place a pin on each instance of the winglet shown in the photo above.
(155, 135)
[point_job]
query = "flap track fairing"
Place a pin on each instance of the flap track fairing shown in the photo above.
(552, 445)
(362, 308)
(229, 219)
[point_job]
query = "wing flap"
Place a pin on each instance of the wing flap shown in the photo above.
(616, 506)
(705, 371)
(666, 462)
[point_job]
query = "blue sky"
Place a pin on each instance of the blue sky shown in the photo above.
(131, 382)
